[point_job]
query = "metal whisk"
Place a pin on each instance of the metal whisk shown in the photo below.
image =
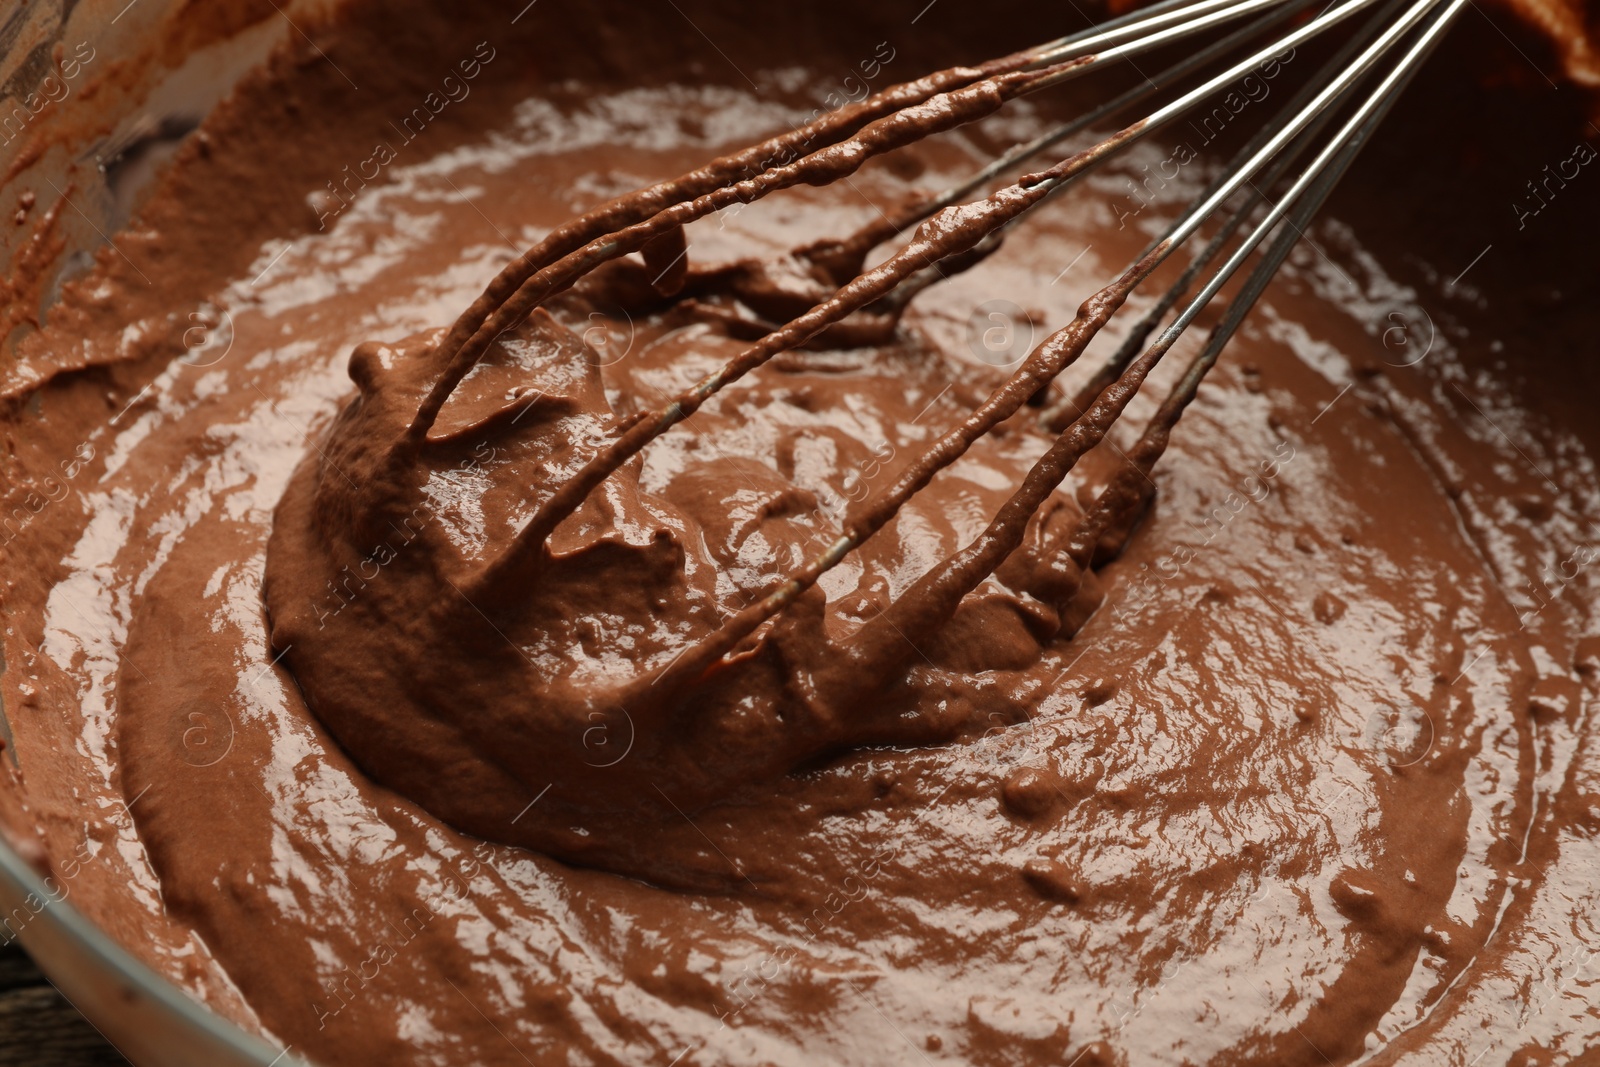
(535, 731)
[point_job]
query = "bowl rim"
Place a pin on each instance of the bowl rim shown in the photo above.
(206, 1029)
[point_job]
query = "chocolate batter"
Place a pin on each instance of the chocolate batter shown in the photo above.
(1304, 774)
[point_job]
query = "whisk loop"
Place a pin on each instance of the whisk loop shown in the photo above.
(963, 232)
(379, 441)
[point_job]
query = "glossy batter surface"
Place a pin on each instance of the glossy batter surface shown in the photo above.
(1313, 782)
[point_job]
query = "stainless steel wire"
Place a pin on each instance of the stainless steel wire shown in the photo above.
(1238, 37)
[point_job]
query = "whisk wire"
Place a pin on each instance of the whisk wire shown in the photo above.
(1059, 416)
(936, 593)
(1152, 443)
(933, 242)
(1150, 28)
(882, 229)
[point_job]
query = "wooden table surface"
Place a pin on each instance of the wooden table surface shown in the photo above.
(37, 1025)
